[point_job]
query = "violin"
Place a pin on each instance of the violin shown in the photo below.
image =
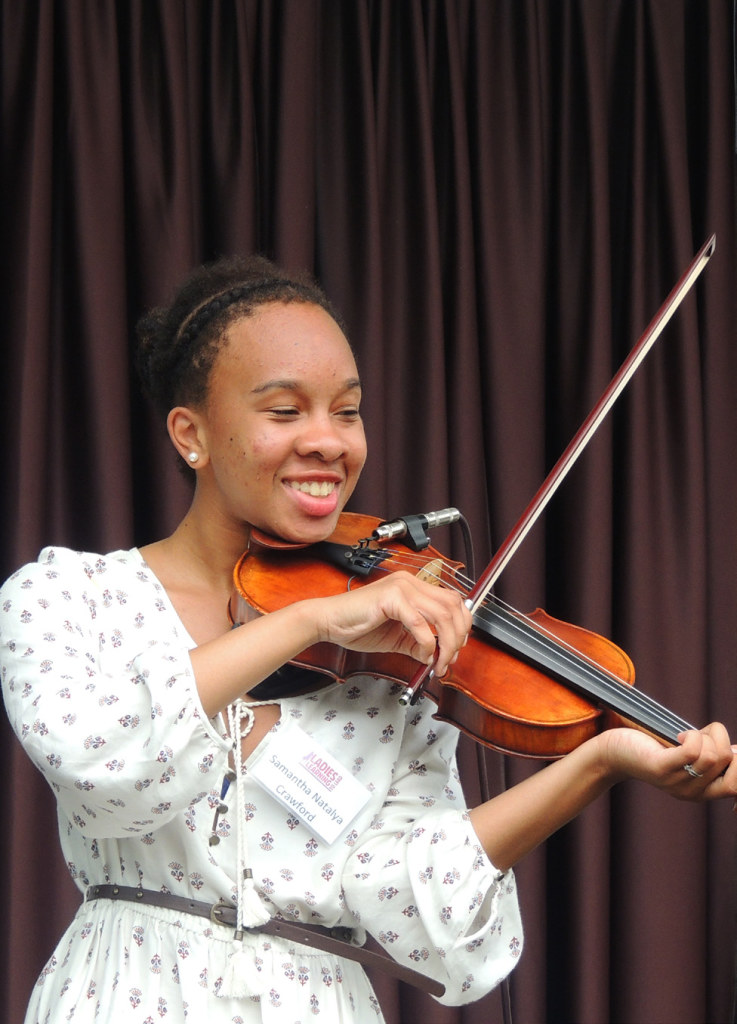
(530, 685)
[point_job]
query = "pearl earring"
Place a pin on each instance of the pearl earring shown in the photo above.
(193, 457)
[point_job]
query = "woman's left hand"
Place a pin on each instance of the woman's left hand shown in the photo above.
(702, 767)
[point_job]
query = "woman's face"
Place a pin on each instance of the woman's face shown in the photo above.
(281, 425)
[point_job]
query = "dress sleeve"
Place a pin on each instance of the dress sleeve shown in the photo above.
(100, 691)
(420, 882)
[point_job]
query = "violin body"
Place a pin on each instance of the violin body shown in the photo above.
(490, 693)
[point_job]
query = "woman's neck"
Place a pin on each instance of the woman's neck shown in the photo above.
(195, 566)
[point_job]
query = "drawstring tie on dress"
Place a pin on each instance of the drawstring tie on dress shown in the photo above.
(241, 977)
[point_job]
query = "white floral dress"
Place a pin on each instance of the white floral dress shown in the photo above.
(99, 688)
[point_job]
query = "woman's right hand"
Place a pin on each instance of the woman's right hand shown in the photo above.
(398, 614)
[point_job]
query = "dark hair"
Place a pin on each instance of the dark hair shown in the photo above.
(178, 344)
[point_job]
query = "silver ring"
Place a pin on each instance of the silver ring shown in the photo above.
(692, 771)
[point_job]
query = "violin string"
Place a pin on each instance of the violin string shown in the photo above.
(619, 695)
(418, 563)
(622, 697)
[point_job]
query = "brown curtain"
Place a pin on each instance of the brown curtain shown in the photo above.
(498, 194)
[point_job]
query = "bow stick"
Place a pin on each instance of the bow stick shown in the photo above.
(588, 428)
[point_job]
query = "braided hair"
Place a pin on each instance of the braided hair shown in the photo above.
(178, 344)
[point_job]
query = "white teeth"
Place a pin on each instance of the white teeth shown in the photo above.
(315, 489)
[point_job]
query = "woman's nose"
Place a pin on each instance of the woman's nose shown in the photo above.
(322, 437)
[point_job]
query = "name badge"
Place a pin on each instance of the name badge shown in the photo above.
(310, 782)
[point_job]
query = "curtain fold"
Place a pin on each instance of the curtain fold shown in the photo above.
(498, 196)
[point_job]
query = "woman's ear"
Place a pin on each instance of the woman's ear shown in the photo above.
(187, 436)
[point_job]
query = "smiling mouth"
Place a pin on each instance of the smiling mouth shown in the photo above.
(315, 488)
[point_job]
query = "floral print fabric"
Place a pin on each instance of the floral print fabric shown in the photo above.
(99, 688)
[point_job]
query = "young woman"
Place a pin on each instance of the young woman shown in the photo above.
(234, 842)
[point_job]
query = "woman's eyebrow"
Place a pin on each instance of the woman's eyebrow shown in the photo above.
(288, 384)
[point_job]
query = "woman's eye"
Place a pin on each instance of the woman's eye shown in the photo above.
(284, 411)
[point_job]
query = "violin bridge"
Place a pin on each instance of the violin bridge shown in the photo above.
(432, 572)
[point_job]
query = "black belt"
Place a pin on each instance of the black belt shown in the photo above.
(330, 940)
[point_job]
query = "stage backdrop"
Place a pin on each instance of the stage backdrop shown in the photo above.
(498, 194)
